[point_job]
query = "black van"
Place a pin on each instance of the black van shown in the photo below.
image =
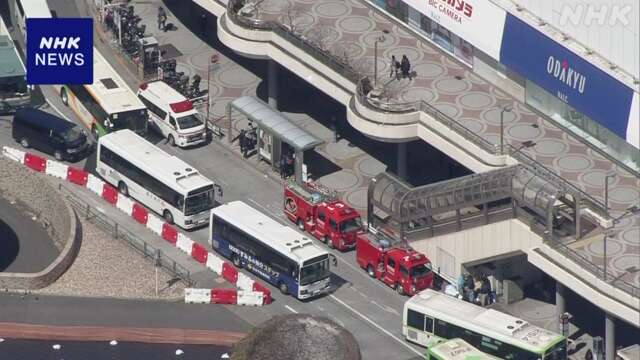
(50, 134)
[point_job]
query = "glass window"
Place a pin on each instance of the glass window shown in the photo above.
(321, 215)
(172, 121)
(391, 263)
(428, 324)
(13, 85)
(557, 352)
(415, 319)
(351, 225)
(199, 202)
(333, 225)
(89, 103)
(315, 272)
(153, 108)
(404, 271)
(420, 271)
(189, 121)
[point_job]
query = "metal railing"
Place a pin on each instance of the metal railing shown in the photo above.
(118, 232)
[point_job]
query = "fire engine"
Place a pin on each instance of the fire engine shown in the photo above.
(317, 210)
(404, 269)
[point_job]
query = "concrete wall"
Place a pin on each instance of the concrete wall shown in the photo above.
(448, 252)
(53, 212)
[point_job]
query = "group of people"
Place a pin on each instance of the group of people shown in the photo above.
(479, 289)
(247, 140)
(400, 67)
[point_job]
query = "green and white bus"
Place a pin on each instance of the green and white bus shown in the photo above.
(456, 349)
(430, 317)
(14, 92)
(108, 104)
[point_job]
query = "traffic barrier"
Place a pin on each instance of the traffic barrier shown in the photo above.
(224, 296)
(169, 233)
(261, 288)
(35, 162)
(95, 184)
(244, 282)
(13, 154)
(197, 296)
(229, 273)
(214, 263)
(110, 194)
(199, 253)
(252, 293)
(250, 298)
(125, 204)
(155, 224)
(184, 243)
(77, 176)
(139, 214)
(56, 169)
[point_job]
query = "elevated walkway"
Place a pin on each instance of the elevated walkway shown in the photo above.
(501, 212)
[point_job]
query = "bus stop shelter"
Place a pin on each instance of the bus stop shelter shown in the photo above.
(277, 128)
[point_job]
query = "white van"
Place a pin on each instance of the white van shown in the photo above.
(172, 114)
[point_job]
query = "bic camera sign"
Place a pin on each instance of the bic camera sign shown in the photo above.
(59, 51)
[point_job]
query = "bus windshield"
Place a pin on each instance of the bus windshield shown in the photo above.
(189, 121)
(135, 120)
(199, 202)
(315, 272)
(351, 225)
(558, 351)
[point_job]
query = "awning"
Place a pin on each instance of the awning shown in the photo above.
(274, 122)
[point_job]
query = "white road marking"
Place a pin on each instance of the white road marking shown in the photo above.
(278, 216)
(386, 332)
(291, 309)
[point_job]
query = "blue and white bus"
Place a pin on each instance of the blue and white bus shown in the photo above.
(275, 252)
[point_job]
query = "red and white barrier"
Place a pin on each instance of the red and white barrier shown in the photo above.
(250, 292)
(223, 296)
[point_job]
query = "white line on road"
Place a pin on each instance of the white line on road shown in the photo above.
(278, 216)
(375, 325)
(291, 309)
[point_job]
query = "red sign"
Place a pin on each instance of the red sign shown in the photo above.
(457, 10)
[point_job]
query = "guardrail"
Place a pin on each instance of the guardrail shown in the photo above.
(119, 232)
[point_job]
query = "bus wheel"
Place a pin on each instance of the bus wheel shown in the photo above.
(122, 187)
(168, 217)
(64, 96)
(399, 289)
(300, 224)
(172, 141)
(370, 271)
(284, 289)
(24, 142)
(236, 261)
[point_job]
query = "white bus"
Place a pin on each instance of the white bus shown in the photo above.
(275, 252)
(456, 349)
(162, 182)
(14, 92)
(431, 316)
(108, 104)
(30, 9)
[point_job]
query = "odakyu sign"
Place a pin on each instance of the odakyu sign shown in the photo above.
(572, 79)
(59, 51)
(479, 22)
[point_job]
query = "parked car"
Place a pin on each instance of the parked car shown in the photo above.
(50, 134)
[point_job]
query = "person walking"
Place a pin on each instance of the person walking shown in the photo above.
(162, 18)
(283, 165)
(242, 140)
(405, 66)
(392, 67)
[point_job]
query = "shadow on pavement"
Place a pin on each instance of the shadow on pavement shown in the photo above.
(9, 246)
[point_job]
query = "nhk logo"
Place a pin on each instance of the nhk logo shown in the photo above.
(60, 51)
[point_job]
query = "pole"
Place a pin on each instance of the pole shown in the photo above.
(208, 93)
(375, 62)
(502, 132)
(605, 256)
(609, 337)
(606, 192)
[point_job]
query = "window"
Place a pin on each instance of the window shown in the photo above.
(172, 121)
(404, 271)
(20, 9)
(333, 225)
(153, 108)
(89, 103)
(321, 215)
(428, 324)
(391, 263)
(415, 320)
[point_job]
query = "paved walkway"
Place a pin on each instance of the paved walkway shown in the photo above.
(351, 27)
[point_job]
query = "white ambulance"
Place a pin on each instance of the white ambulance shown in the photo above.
(172, 114)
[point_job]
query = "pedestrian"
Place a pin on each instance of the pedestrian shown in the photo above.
(290, 165)
(204, 24)
(283, 164)
(485, 289)
(162, 18)
(405, 66)
(477, 286)
(392, 66)
(242, 139)
(492, 288)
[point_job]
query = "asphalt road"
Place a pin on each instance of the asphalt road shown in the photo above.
(366, 307)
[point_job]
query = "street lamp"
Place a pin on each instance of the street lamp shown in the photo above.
(214, 60)
(506, 108)
(380, 38)
(606, 192)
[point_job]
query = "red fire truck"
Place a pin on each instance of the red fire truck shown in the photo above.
(318, 211)
(404, 269)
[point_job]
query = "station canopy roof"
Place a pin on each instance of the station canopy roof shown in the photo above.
(275, 122)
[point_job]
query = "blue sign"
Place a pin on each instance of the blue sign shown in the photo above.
(59, 51)
(572, 79)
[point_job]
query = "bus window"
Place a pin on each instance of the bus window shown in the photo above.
(415, 320)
